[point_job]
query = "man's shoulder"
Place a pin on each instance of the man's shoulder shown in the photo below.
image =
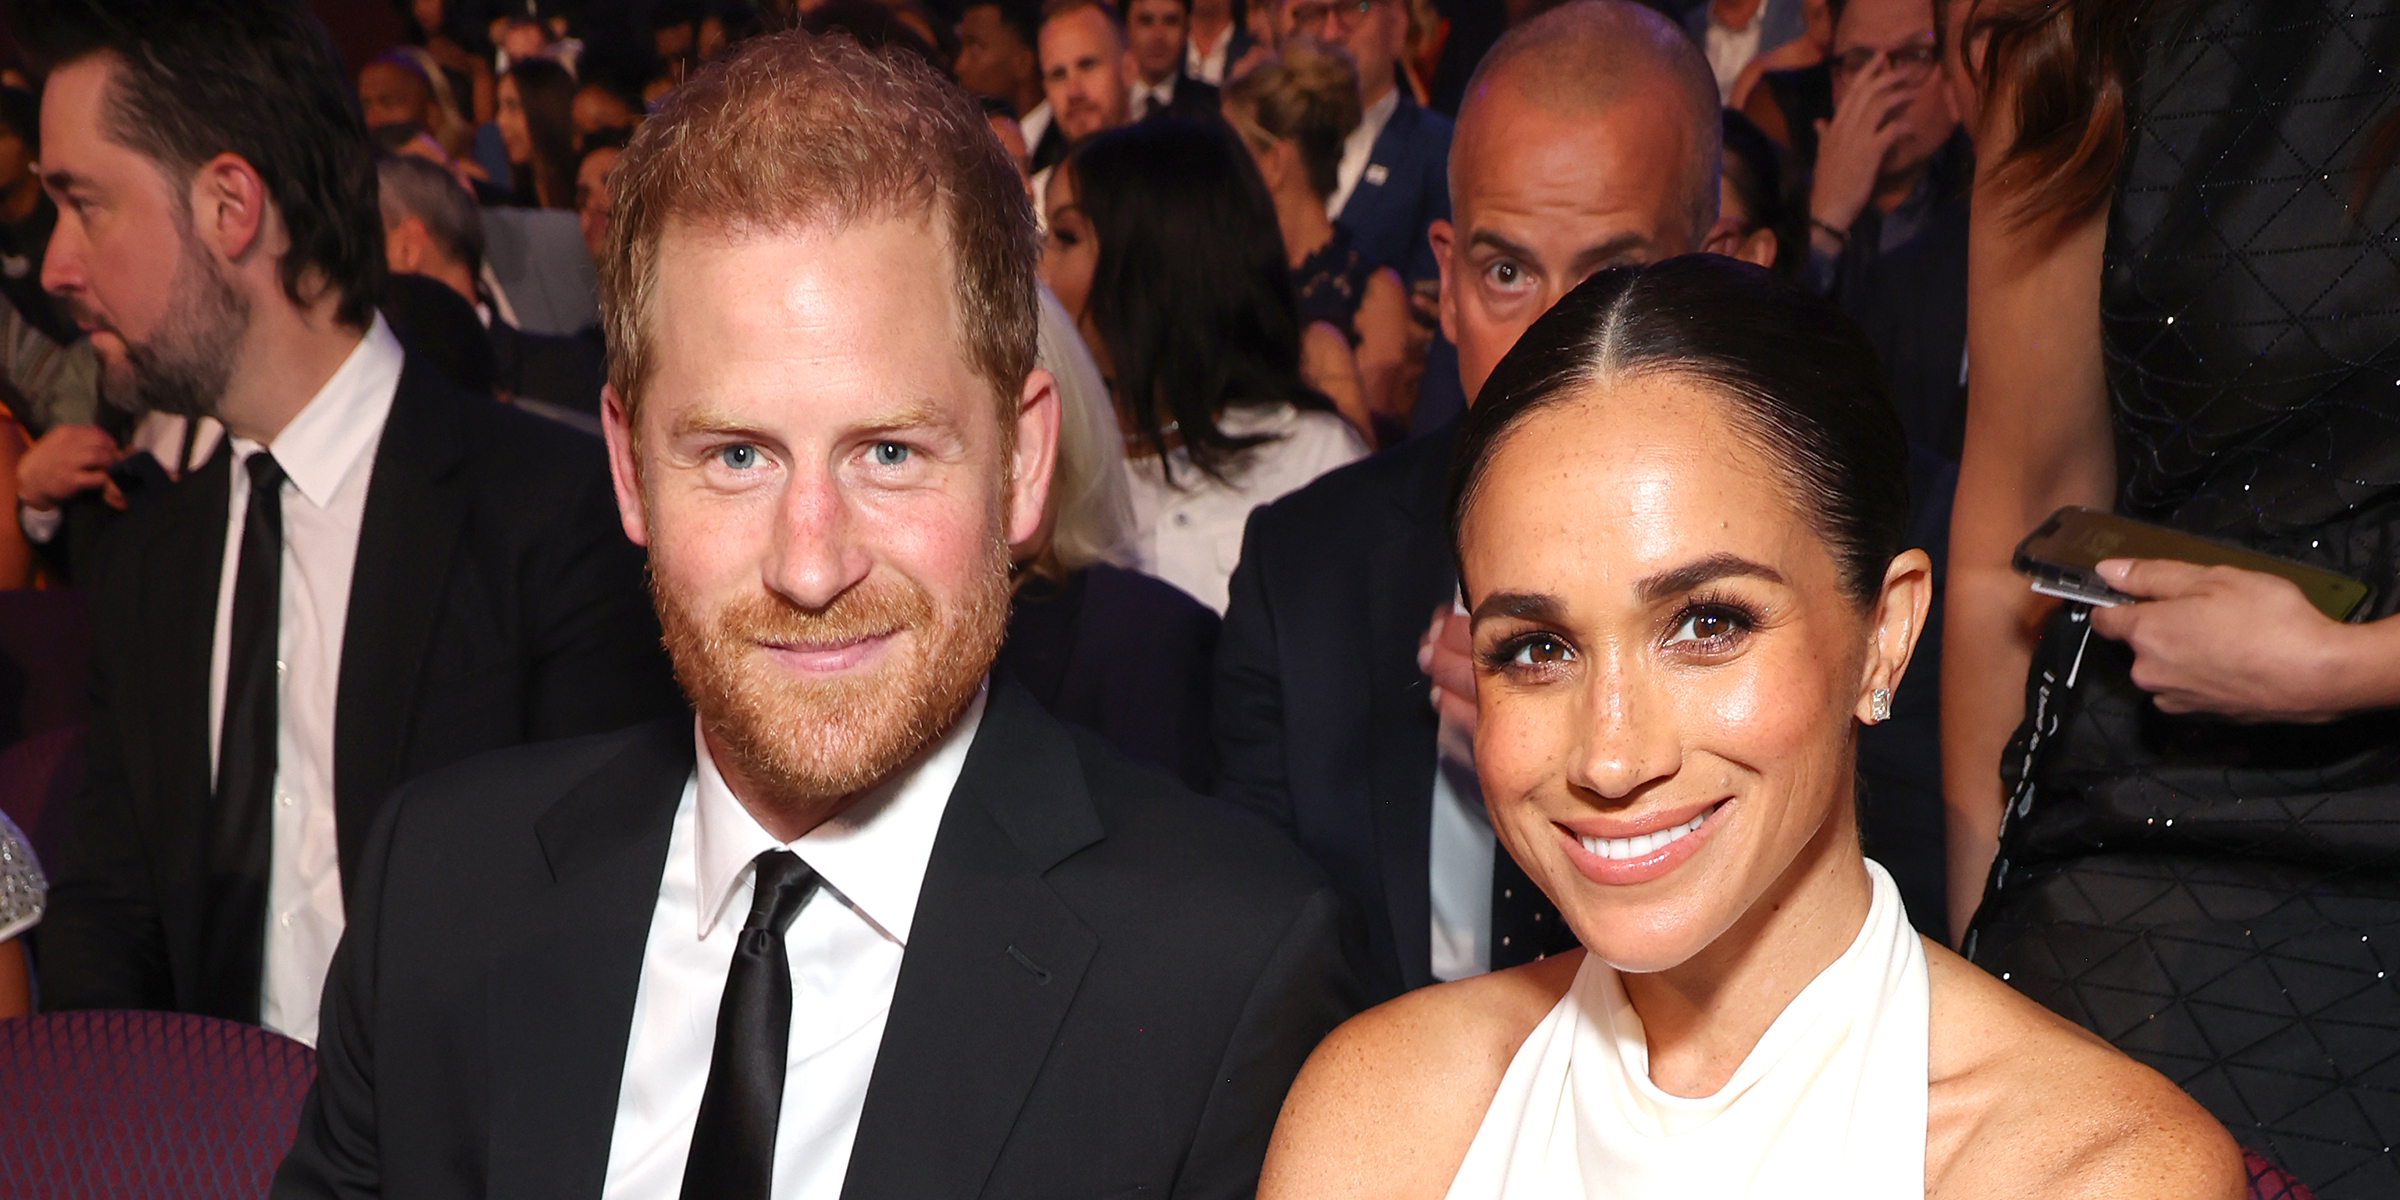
(1334, 512)
(1186, 848)
(512, 788)
(1419, 125)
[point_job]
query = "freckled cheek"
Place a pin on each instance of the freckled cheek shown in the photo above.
(1523, 741)
(942, 539)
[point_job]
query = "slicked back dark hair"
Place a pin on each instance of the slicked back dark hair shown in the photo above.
(1799, 380)
(253, 78)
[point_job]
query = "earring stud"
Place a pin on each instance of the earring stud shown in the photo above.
(1879, 706)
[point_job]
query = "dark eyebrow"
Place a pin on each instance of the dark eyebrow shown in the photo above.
(60, 180)
(1693, 574)
(1524, 606)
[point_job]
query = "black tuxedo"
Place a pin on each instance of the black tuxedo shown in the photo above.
(562, 369)
(1323, 722)
(495, 601)
(1108, 986)
(1191, 100)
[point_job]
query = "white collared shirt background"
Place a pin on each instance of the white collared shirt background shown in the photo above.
(1357, 149)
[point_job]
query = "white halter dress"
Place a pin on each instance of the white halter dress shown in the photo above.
(1830, 1103)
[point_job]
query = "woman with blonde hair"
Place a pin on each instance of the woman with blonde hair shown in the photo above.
(1294, 111)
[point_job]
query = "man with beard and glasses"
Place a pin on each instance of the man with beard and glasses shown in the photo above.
(372, 576)
(873, 924)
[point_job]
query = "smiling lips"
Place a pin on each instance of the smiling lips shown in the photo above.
(827, 657)
(1640, 858)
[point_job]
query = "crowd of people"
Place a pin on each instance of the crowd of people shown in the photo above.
(1319, 597)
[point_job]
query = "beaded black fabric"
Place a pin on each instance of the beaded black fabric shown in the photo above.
(1332, 282)
(2223, 901)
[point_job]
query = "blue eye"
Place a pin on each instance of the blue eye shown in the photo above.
(740, 456)
(889, 454)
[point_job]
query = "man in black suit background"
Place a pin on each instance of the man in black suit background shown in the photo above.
(1590, 138)
(376, 575)
(433, 227)
(1155, 36)
(871, 926)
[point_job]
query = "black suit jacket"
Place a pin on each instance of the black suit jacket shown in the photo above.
(1123, 655)
(1192, 101)
(1108, 986)
(495, 601)
(562, 369)
(1323, 722)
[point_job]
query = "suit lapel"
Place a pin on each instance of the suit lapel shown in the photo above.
(180, 578)
(416, 508)
(1402, 715)
(567, 966)
(994, 960)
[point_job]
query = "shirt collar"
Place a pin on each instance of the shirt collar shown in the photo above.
(873, 853)
(326, 441)
(1378, 115)
(1199, 60)
(1160, 95)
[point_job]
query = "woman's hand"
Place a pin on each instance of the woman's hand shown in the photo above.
(2242, 644)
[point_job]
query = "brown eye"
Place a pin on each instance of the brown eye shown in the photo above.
(1540, 649)
(1709, 625)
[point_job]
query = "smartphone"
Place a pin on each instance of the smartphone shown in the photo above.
(2060, 557)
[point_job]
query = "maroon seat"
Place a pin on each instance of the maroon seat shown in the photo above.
(36, 777)
(167, 1106)
(2268, 1182)
(45, 661)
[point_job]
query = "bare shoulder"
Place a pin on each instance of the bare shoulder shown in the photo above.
(1390, 1100)
(2025, 1103)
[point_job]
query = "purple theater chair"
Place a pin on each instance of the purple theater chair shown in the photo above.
(166, 1106)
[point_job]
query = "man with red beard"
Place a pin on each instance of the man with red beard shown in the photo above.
(874, 924)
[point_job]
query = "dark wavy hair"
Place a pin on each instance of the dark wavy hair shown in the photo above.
(253, 78)
(1192, 295)
(547, 92)
(1798, 377)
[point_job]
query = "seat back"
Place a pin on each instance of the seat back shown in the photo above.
(45, 661)
(163, 1105)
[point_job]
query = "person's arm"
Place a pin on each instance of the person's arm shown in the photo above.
(1247, 699)
(595, 663)
(1382, 352)
(102, 943)
(1304, 992)
(2245, 645)
(2037, 438)
(1328, 366)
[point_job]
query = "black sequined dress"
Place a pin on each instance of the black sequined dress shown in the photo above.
(2223, 901)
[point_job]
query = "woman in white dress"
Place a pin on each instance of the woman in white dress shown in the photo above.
(1163, 243)
(1677, 512)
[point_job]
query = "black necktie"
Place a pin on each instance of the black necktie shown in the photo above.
(733, 1143)
(242, 838)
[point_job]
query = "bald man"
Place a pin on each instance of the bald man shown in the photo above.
(1589, 138)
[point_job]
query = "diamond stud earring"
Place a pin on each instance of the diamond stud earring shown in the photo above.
(1879, 706)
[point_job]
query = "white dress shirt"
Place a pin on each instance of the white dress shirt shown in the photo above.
(845, 948)
(1151, 97)
(1729, 50)
(1191, 534)
(327, 453)
(1208, 66)
(1358, 148)
(1034, 124)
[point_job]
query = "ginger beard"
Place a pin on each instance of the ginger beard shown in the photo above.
(812, 741)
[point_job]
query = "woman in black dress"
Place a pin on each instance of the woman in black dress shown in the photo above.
(1294, 113)
(2186, 307)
